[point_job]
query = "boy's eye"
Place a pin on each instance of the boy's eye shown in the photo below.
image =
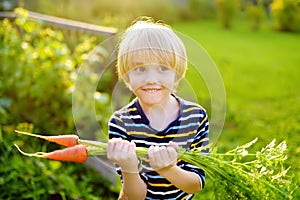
(163, 68)
(139, 69)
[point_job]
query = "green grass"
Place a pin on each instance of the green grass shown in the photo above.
(260, 69)
(261, 72)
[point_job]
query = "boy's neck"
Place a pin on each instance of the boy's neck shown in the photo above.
(158, 108)
(161, 115)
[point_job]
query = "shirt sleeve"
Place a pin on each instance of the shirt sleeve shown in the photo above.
(200, 140)
(116, 129)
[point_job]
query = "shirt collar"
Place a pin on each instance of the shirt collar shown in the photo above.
(144, 118)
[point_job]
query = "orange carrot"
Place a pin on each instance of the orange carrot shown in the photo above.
(77, 153)
(65, 140)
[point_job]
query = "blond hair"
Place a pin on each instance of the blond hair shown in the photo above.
(151, 40)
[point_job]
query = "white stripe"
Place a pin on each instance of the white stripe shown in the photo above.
(201, 130)
(200, 181)
(163, 193)
(191, 103)
(162, 144)
(183, 142)
(183, 194)
(130, 117)
(116, 126)
(192, 166)
(148, 168)
(191, 116)
(190, 196)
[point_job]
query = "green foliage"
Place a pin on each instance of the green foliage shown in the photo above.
(35, 75)
(261, 78)
(286, 14)
(243, 174)
(39, 70)
(240, 173)
(260, 74)
(26, 178)
(90, 107)
(116, 13)
(270, 179)
(200, 9)
(255, 13)
(227, 10)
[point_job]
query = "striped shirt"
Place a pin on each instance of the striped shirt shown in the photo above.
(188, 130)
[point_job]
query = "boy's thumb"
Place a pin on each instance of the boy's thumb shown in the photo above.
(174, 145)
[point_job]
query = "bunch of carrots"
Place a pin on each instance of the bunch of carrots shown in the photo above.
(233, 177)
(77, 150)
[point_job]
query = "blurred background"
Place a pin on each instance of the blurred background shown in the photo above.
(254, 43)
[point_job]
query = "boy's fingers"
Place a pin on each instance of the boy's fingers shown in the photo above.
(113, 145)
(150, 154)
(161, 157)
(113, 140)
(172, 153)
(131, 148)
(127, 147)
(119, 145)
(110, 149)
(174, 145)
(163, 154)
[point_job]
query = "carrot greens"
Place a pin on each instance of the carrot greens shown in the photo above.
(236, 174)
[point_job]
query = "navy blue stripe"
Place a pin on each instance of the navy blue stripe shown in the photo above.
(176, 127)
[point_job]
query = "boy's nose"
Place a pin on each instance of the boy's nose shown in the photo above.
(151, 76)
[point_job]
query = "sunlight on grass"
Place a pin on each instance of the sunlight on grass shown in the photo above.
(256, 66)
(261, 76)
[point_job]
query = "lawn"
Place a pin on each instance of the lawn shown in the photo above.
(261, 77)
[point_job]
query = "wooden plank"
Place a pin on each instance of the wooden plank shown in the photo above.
(67, 23)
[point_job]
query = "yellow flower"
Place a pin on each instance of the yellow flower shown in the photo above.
(277, 5)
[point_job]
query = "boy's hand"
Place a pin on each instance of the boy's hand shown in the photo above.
(162, 157)
(123, 154)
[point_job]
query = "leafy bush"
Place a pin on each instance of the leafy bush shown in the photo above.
(25, 178)
(256, 14)
(198, 9)
(116, 13)
(227, 10)
(35, 75)
(38, 71)
(286, 14)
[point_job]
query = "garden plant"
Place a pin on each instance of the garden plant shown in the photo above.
(38, 68)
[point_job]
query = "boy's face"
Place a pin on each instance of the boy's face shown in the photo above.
(151, 82)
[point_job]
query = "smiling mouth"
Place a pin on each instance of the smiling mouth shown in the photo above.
(151, 90)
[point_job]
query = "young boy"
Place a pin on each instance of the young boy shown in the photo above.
(151, 61)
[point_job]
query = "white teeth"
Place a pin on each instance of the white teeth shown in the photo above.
(151, 90)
